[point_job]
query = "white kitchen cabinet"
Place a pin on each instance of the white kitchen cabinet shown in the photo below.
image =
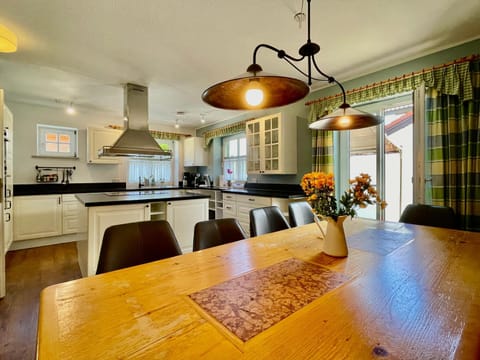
(99, 219)
(74, 215)
(238, 206)
(245, 203)
(182, 216)
(37, 216)
(194, 154)
(215, 205)
(7, 160)
(97, 138)
(271, 145)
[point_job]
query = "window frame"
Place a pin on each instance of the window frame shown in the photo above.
(43, 129)
(225, 141)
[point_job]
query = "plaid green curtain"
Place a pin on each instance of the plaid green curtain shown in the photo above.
(453, 150)
(322, 143)
(227, 130)
(165, 135)
(454, 79)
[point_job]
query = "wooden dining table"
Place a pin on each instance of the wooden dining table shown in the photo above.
(403, 292)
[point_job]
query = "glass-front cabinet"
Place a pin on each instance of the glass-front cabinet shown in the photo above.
(271, 145)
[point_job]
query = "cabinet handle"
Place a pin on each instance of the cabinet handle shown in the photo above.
(147, 206)
(228, 207)
(8, 205)
(8, 193)
(250, 199)
(59, 200)
(7, 217)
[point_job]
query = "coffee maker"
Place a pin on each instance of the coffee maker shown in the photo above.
(190, 177)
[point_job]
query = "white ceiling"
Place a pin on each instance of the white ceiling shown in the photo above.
(83, 51)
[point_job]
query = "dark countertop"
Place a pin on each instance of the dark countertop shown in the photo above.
(135, 197)
(286, 191)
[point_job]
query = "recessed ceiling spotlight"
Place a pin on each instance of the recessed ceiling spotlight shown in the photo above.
(202, 118)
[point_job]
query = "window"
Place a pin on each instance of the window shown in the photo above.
(56, 141)
(235, 157)
(161, 171)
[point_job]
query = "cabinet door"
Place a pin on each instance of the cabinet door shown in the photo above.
(194, 154)
(271, 145)
(253, 147)
(74, 215)
(97, 138)
(182, 216)
(102, 217)
(37, 216)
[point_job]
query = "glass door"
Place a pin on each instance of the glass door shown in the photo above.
(385, 152)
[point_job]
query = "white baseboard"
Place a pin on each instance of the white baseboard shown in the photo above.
(53, 240)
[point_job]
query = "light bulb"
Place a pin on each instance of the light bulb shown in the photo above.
(177, 125)
(254, 96)
(345, 121)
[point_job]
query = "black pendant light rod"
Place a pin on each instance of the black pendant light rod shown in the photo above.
(308, 50)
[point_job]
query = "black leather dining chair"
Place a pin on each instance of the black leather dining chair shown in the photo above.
(136, 243)
(430, 215)
(300, 213)
(266, 220)
(217, 232)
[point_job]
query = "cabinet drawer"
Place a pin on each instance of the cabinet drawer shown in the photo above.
(71, 208)
(255, 201)
(69, 198)
(231, 197)
(229, 209)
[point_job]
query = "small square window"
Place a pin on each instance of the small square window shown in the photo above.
(56, 141)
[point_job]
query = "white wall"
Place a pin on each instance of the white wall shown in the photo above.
(25, 119)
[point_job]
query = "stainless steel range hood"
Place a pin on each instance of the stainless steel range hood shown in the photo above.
(136, 140)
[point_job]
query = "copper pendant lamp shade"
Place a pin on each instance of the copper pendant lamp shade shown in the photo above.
(345, 118)
(277, 91)
(257, 89)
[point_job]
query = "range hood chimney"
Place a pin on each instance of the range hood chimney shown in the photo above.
(136, 140)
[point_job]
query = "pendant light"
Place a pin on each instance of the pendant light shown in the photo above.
(8, 40)
(257, 89)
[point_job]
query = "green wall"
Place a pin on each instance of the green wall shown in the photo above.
(298, 112)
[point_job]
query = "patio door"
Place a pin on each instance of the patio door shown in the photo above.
(387, 153)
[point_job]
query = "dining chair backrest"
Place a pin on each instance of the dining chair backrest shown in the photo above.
(430, 215)
(300, 213)
(136, 243)
(217, 232)
(266, 220)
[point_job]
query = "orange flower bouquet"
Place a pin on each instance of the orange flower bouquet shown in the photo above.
(320, 190)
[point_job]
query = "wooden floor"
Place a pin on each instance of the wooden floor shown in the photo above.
(28, 272)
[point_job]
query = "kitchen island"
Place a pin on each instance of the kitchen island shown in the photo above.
(181, 208)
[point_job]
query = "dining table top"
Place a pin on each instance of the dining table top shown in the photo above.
(403, 292)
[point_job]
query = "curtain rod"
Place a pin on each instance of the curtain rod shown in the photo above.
(396, 78)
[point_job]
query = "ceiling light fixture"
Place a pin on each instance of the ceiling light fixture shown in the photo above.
(8, 40)
(70, 110)
(202, 118)
(257, 89)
